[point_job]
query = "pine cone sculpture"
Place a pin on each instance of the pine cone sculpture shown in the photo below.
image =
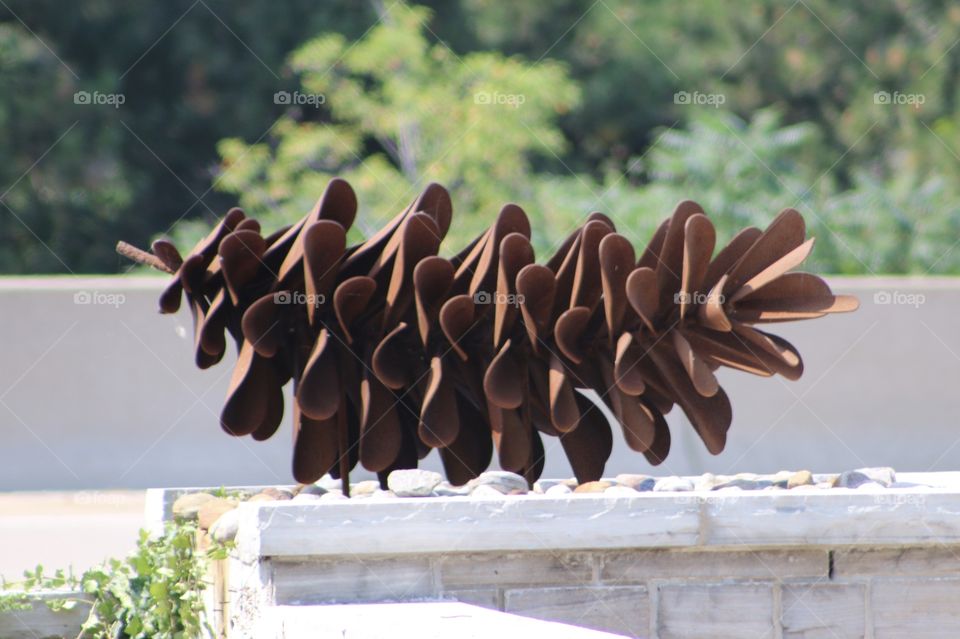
(394, 350)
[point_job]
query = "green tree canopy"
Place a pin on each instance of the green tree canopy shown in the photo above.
(397, 112)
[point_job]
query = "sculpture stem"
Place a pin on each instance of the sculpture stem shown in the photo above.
(140, 256)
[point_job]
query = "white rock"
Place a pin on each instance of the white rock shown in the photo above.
(559, 489)
(413, 482)
(486, 492)
(364, 488)
(543, 485)
(329, 483)
(673, 484)
(882, 475)
(188, 506)
(307, 497)
(445, 489)
(624, 491)
(225, 528)
(505, 482)
(706, 481)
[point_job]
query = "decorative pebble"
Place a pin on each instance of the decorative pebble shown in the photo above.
(211, 510)
(364, 488)
(673, 484)
(800, 478)
(446, 489)
(485, 491)
(708, 481)
(592, 487)
(782, 478)
(745, 484)
(647, 485)
(188, 506)
(826, 478)
(224, 529)
(851, 479)
(272, 494)
(731, 488)
(313, 489)
(501, 480)
(329, 483)
(882, 475)
(631, 480)
(855, 478)
(620, 490)
(543, 485)
(413, 482)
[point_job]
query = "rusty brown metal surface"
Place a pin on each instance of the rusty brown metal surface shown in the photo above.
(394, 350)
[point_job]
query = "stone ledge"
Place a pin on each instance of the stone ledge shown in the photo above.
(704, 520)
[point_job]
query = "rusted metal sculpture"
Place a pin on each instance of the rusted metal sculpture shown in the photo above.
(394, 350)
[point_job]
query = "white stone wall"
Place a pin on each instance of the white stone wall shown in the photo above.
(746, 593)
(823, 563)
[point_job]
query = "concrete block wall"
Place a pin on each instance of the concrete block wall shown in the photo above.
(789, 593)
(831, 563)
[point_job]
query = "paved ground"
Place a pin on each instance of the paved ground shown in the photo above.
(61, 529)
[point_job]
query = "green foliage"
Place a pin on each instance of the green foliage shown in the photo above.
(404, 112)
(154, 592)
(191, 74)
(14, 597)
(401, 87)
(743, 173)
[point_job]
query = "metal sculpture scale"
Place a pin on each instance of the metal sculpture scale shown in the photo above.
(394, 351)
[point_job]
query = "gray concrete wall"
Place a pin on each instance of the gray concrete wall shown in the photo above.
(98, 390)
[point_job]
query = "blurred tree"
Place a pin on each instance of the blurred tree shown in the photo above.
(403, 112)
(46, 205)
(194, 73)
(744, 172)
(191, 73)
